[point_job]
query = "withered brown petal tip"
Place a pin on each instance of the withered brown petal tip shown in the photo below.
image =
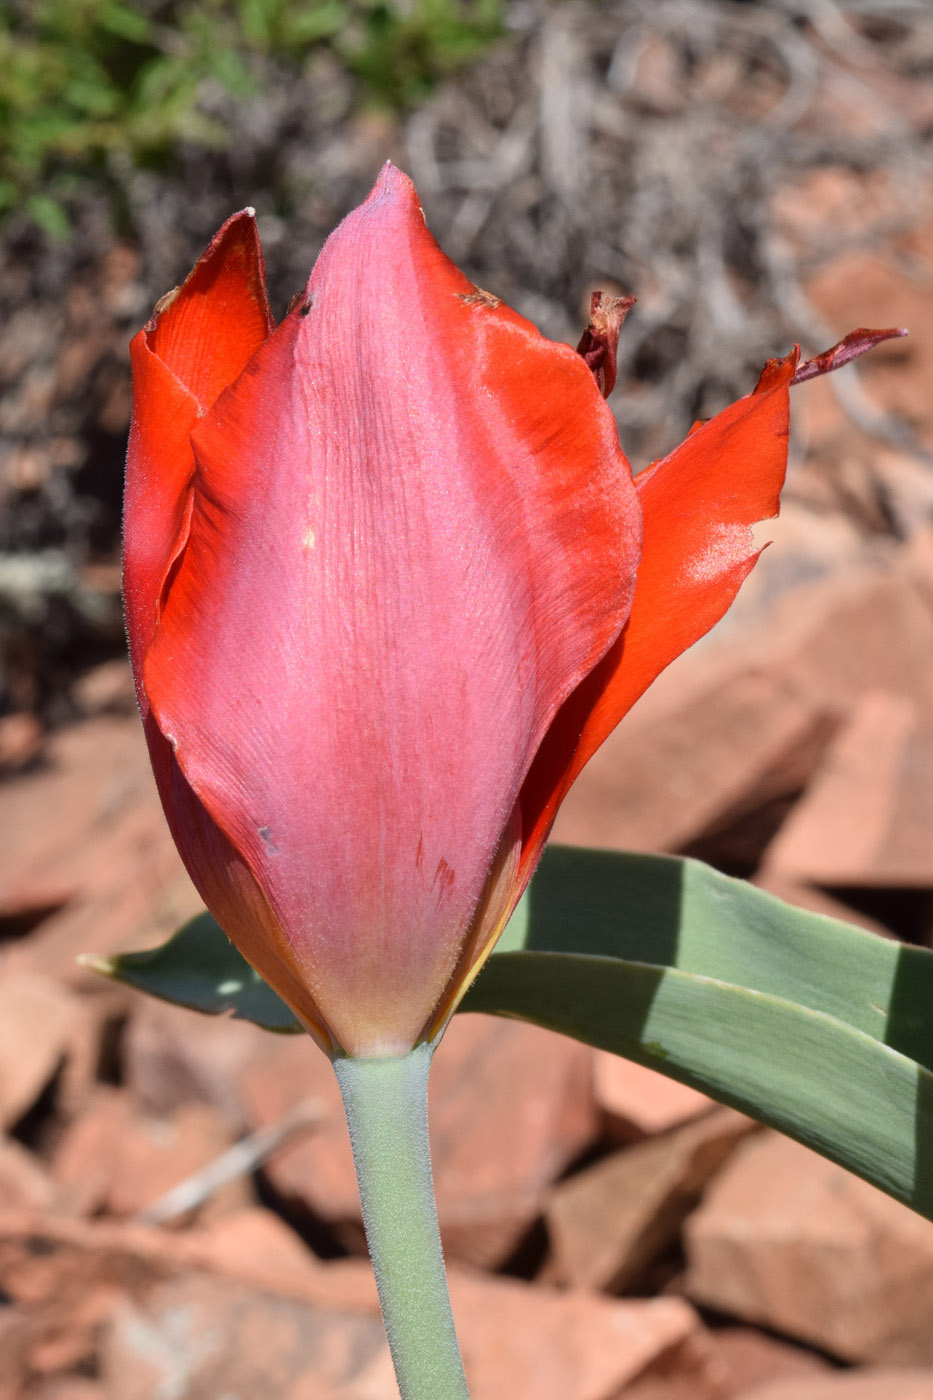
(599, 343)
(853, 345)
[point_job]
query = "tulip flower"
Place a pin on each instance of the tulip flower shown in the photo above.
(389, 584)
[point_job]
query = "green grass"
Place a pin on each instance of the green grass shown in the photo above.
(88, 87)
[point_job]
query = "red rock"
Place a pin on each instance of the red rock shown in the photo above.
(826, 196)
(607, 1223)
(202, 1337)
(171, 1054)
(68, 1388)
(861, 284)
(55, 1312)
(246, 1313)
(66, 1336)
(162, 1153)
(689, 1370)
(85, 1158)
(374, 1381)
(745, 1358)
(511, 1106)
(684, 764)
(85, 836)
(844, 637)
(24, 1182)
(637, 1102)
(826, 512)
(790, 1241)
(44, 1256)
(316, 1170)
(906, 484)
(37, 1021)
(64, 1277)
(917, 564)
(867, 815)
(51, 1259)
(258, 1248)
(93, 1049)
(869, 1384)
(15, 1331)
(21, 739)
(116, 1160)
(522, 1342)
(738, 727)
(51, 818)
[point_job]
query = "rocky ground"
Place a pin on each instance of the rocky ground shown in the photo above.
(610, 1233)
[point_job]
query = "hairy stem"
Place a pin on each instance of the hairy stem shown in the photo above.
(386, 1106)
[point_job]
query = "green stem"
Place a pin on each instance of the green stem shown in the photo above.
(386, 1103)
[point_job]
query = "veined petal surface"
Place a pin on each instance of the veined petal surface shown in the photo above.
(413, 534)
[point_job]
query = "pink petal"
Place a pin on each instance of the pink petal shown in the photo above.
(413, 534)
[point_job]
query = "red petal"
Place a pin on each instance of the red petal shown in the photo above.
(699, 504)
(414, 533)
(197, 342)
(159, 468)
(206, 330)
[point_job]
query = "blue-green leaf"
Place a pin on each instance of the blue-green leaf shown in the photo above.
(199, 968)
(812, 1025)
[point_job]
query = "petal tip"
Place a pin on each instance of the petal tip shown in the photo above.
(389, 217)
(394, 187)
(390, 178)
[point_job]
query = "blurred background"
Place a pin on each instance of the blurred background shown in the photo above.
(756, 174)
